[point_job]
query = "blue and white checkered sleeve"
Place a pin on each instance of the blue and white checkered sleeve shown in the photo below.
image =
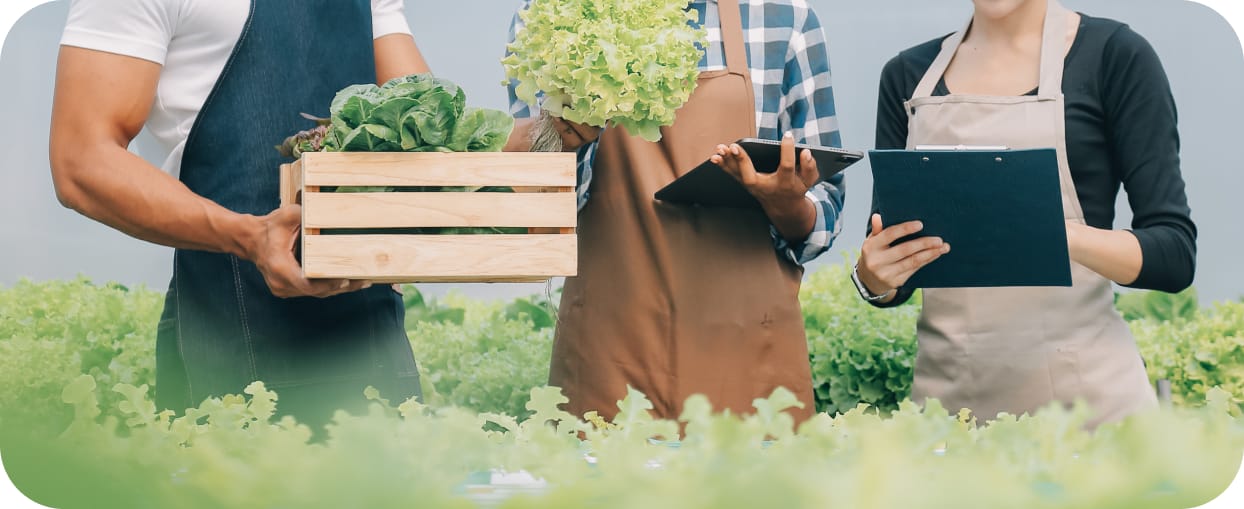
(520, 109)
(810, 116)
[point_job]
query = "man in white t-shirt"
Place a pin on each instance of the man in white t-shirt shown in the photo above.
(219, 83)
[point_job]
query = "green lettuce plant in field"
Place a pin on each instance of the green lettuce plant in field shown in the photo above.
(52, 332)
(624, 62)
(859, 354)
(77, 359)
(1161, 306)
(1196, 354)
(230, 452)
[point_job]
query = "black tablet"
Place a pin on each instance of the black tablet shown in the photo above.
(710, 186)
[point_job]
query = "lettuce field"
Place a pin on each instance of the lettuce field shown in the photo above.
(78, 427)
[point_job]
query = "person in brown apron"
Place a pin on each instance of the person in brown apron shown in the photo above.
(1014, 350)
(676, 300)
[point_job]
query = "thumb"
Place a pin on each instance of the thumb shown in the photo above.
(288, 214)
(876, 226)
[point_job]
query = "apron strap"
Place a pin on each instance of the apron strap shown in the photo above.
(1053, 50)
(1052, 45)
(949, 47)
(732, 37)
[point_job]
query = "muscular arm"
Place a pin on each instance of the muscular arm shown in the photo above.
(101, 103)
(397, 55)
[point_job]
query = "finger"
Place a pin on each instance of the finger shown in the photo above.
(285, 283)
(907, 249)
(288, 214)
(747, 172)
(720, 153)
(786, 163)
(890, 235)
(585, 132)
(569, 134)
(726, 161)
(918, 261)
(323, 288)
(888, 261)
(808, 170)
(278, 288)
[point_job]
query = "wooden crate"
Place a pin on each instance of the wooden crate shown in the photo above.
(543, 201)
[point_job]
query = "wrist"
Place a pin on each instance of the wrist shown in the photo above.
(791, 210)
(869, 292)
(1075, 241)
(243, 236)
(794, 219)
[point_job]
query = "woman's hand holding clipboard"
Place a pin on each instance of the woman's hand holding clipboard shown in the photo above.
(1001, 209)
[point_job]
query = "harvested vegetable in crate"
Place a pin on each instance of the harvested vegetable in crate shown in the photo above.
(416, 113)
(633, 63)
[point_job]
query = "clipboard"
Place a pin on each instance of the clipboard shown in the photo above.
(710, 186)
(1000, 210)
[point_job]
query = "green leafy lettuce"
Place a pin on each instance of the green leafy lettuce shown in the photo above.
(416, 113)
(621, 61)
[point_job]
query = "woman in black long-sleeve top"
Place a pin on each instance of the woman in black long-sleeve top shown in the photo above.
(1119, 119)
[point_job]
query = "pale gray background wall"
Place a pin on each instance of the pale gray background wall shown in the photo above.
(464, 39)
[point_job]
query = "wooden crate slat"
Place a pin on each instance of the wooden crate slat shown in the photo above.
(405, 210)
(439, 169)
(287, 184)
(408, 258)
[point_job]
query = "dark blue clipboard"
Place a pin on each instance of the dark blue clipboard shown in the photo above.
(1000, 210)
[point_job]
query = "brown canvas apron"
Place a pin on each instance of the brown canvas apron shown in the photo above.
(1016, 350)
(679, 300)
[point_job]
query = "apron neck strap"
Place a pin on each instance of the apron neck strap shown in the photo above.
(732, 36)
(1053, 49)
(1053, 40)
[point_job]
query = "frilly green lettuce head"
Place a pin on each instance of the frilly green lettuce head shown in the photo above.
(633, 63)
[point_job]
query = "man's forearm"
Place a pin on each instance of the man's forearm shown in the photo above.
(397, 55)
(115, 187)
(794, 220)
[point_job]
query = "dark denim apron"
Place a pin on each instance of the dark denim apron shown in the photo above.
(222, 328)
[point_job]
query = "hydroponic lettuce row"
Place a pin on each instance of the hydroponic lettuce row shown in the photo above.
(486, 356)
(633, 64)
(78, 428)
(231, 452)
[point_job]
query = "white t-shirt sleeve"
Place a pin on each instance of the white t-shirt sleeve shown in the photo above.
(388, 18)
(135, 28)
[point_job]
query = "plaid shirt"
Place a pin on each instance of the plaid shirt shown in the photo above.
(789, 63)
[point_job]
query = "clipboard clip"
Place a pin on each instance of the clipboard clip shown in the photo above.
(982, 148)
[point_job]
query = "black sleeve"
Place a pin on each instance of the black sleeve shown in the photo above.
(891, 117)
(891, 135)
(1144, 142)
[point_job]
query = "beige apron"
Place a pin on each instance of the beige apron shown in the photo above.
(1016, 350)
(677, 300)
